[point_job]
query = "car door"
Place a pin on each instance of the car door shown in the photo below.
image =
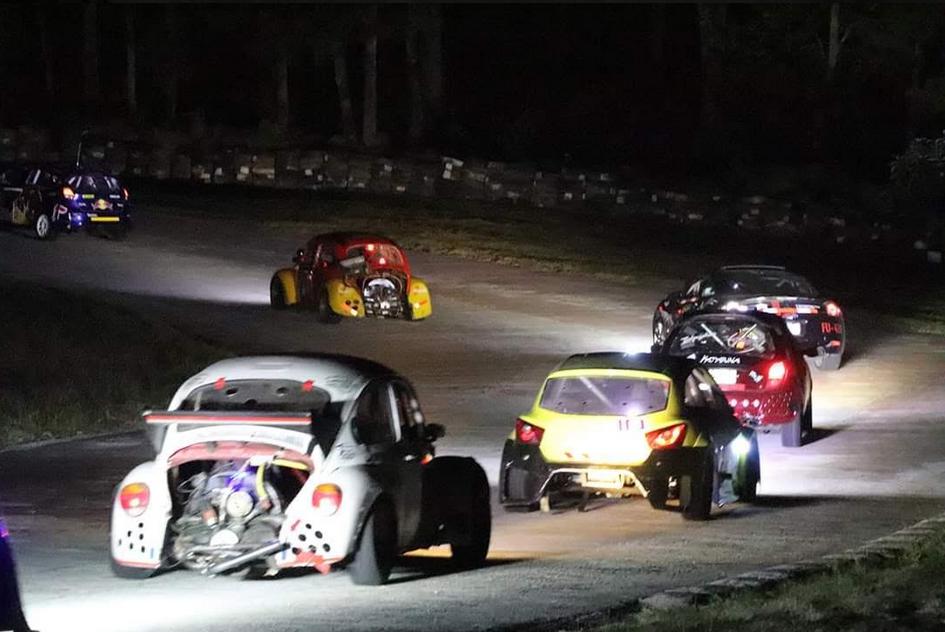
(20, 207)
(394, 462)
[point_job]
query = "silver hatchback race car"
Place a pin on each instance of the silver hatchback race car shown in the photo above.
(274, 462)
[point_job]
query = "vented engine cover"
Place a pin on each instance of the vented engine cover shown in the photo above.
(383, 297)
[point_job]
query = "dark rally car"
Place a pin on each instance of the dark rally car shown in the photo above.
(756, 362)
(815, 322)
(51, 199)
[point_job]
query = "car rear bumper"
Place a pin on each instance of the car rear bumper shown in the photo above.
(525, 476)
(763, 408)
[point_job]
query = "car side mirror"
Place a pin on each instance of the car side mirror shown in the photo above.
(432, 432)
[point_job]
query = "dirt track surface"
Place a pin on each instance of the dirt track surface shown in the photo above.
(877, 464)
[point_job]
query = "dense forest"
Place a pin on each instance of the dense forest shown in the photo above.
(671, 86)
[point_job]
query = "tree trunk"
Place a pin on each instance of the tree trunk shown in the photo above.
(90, 53)
(171, 74)
(434, 59)
(369, 127)
(712, 48)
(340, 61)
(833, 46)
(49, 77)
(131, 77)
(416, 127)
(282, 87)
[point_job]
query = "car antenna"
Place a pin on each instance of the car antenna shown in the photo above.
(78, 151)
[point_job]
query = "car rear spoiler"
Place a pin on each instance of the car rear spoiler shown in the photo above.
(158, 421)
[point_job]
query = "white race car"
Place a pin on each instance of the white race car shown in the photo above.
(274, 462)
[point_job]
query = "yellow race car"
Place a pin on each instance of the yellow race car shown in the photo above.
(619, 424)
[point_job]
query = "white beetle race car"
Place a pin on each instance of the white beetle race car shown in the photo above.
(274, 462)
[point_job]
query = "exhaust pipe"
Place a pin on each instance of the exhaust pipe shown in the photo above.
(264, 551)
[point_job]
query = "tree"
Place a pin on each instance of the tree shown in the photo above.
(170, 70)
(712, 35)
(92, 88)
(339, 56)
(369, 114)
(46, 51)
(417, 124)
(131, 83)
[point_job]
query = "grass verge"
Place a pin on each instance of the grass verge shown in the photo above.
(905, 595)
(76, 366)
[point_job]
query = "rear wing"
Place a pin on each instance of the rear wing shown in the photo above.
(160, 422)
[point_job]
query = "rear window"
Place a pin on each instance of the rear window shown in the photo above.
(95, 184)
(765, 283)
(378, 255)
(604, 395)
(271, 396)
(730, 336)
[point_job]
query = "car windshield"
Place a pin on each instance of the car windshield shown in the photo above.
(95, 184)
(764, 283)
(584, 395)
(739, 336)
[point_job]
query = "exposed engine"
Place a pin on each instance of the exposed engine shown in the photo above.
(383, 294)
(229, 507)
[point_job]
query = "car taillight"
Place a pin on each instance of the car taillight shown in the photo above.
(134, 498)
(68, 193)
(528, 433)
(326, 499)
(125, 192)
(832, 309)
(777, 371)
(671, 437)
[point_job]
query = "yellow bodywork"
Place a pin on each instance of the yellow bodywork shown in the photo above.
(419, 298)
(611, 440)
(344, 299)
(290, 290)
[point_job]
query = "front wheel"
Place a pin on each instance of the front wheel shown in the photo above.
(277, 294)
(374, 558)
(324, 312)
(695, 491)
(43, 226)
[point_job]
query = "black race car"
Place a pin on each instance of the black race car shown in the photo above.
(51, 199)
(757, 364)
(815, 322)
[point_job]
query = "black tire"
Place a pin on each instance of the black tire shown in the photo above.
(323, 310)
(456, 496)
(828, 361)
(43, 226)
(660, 328)
(695, 490)
(471, 552)
(749, 474)
(277, 294)
(807, 421)
(658, 494)
(792, 434)
(377, 548)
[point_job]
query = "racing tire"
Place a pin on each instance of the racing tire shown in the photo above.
(658, 494)
(472, 552)
(456, 495)
(828, 361)
(659, 331)
(43, 227)
(277, 294)
(323, 310)
(377, 548)
(807, 421)
(792, 434)
(695, 490)
(749, 474)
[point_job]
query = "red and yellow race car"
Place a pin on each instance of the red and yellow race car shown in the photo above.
(354, 275)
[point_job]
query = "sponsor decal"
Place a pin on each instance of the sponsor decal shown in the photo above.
(719, 360)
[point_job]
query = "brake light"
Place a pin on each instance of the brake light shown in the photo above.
(832, 309)
(134, 498)
(671, 437)
(528, 433)
(326, 499)
(126, 194)
(776, 371)
(369, 247)
(68, 193)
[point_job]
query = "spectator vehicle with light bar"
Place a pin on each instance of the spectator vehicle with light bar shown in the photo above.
(619, 425)
(11, 610)
(276, 462)
(351, 275)
(815, 321)
(756, 362)
(50, 200)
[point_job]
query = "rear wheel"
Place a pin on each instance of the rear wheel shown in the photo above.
(807, 421)
(374, 558)
(828, 361)
(695, 490)
(324, 311)
(749, 474)
(277, 294)
(43, 226)
(658, 493)
(792, 433)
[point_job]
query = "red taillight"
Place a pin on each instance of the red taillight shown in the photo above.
(777, 371)
(832, 309)
(527, 433)
(671, 437)
(369, 247)
(68, 193)
(134, 498)
(126, 194)
(326, 499)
